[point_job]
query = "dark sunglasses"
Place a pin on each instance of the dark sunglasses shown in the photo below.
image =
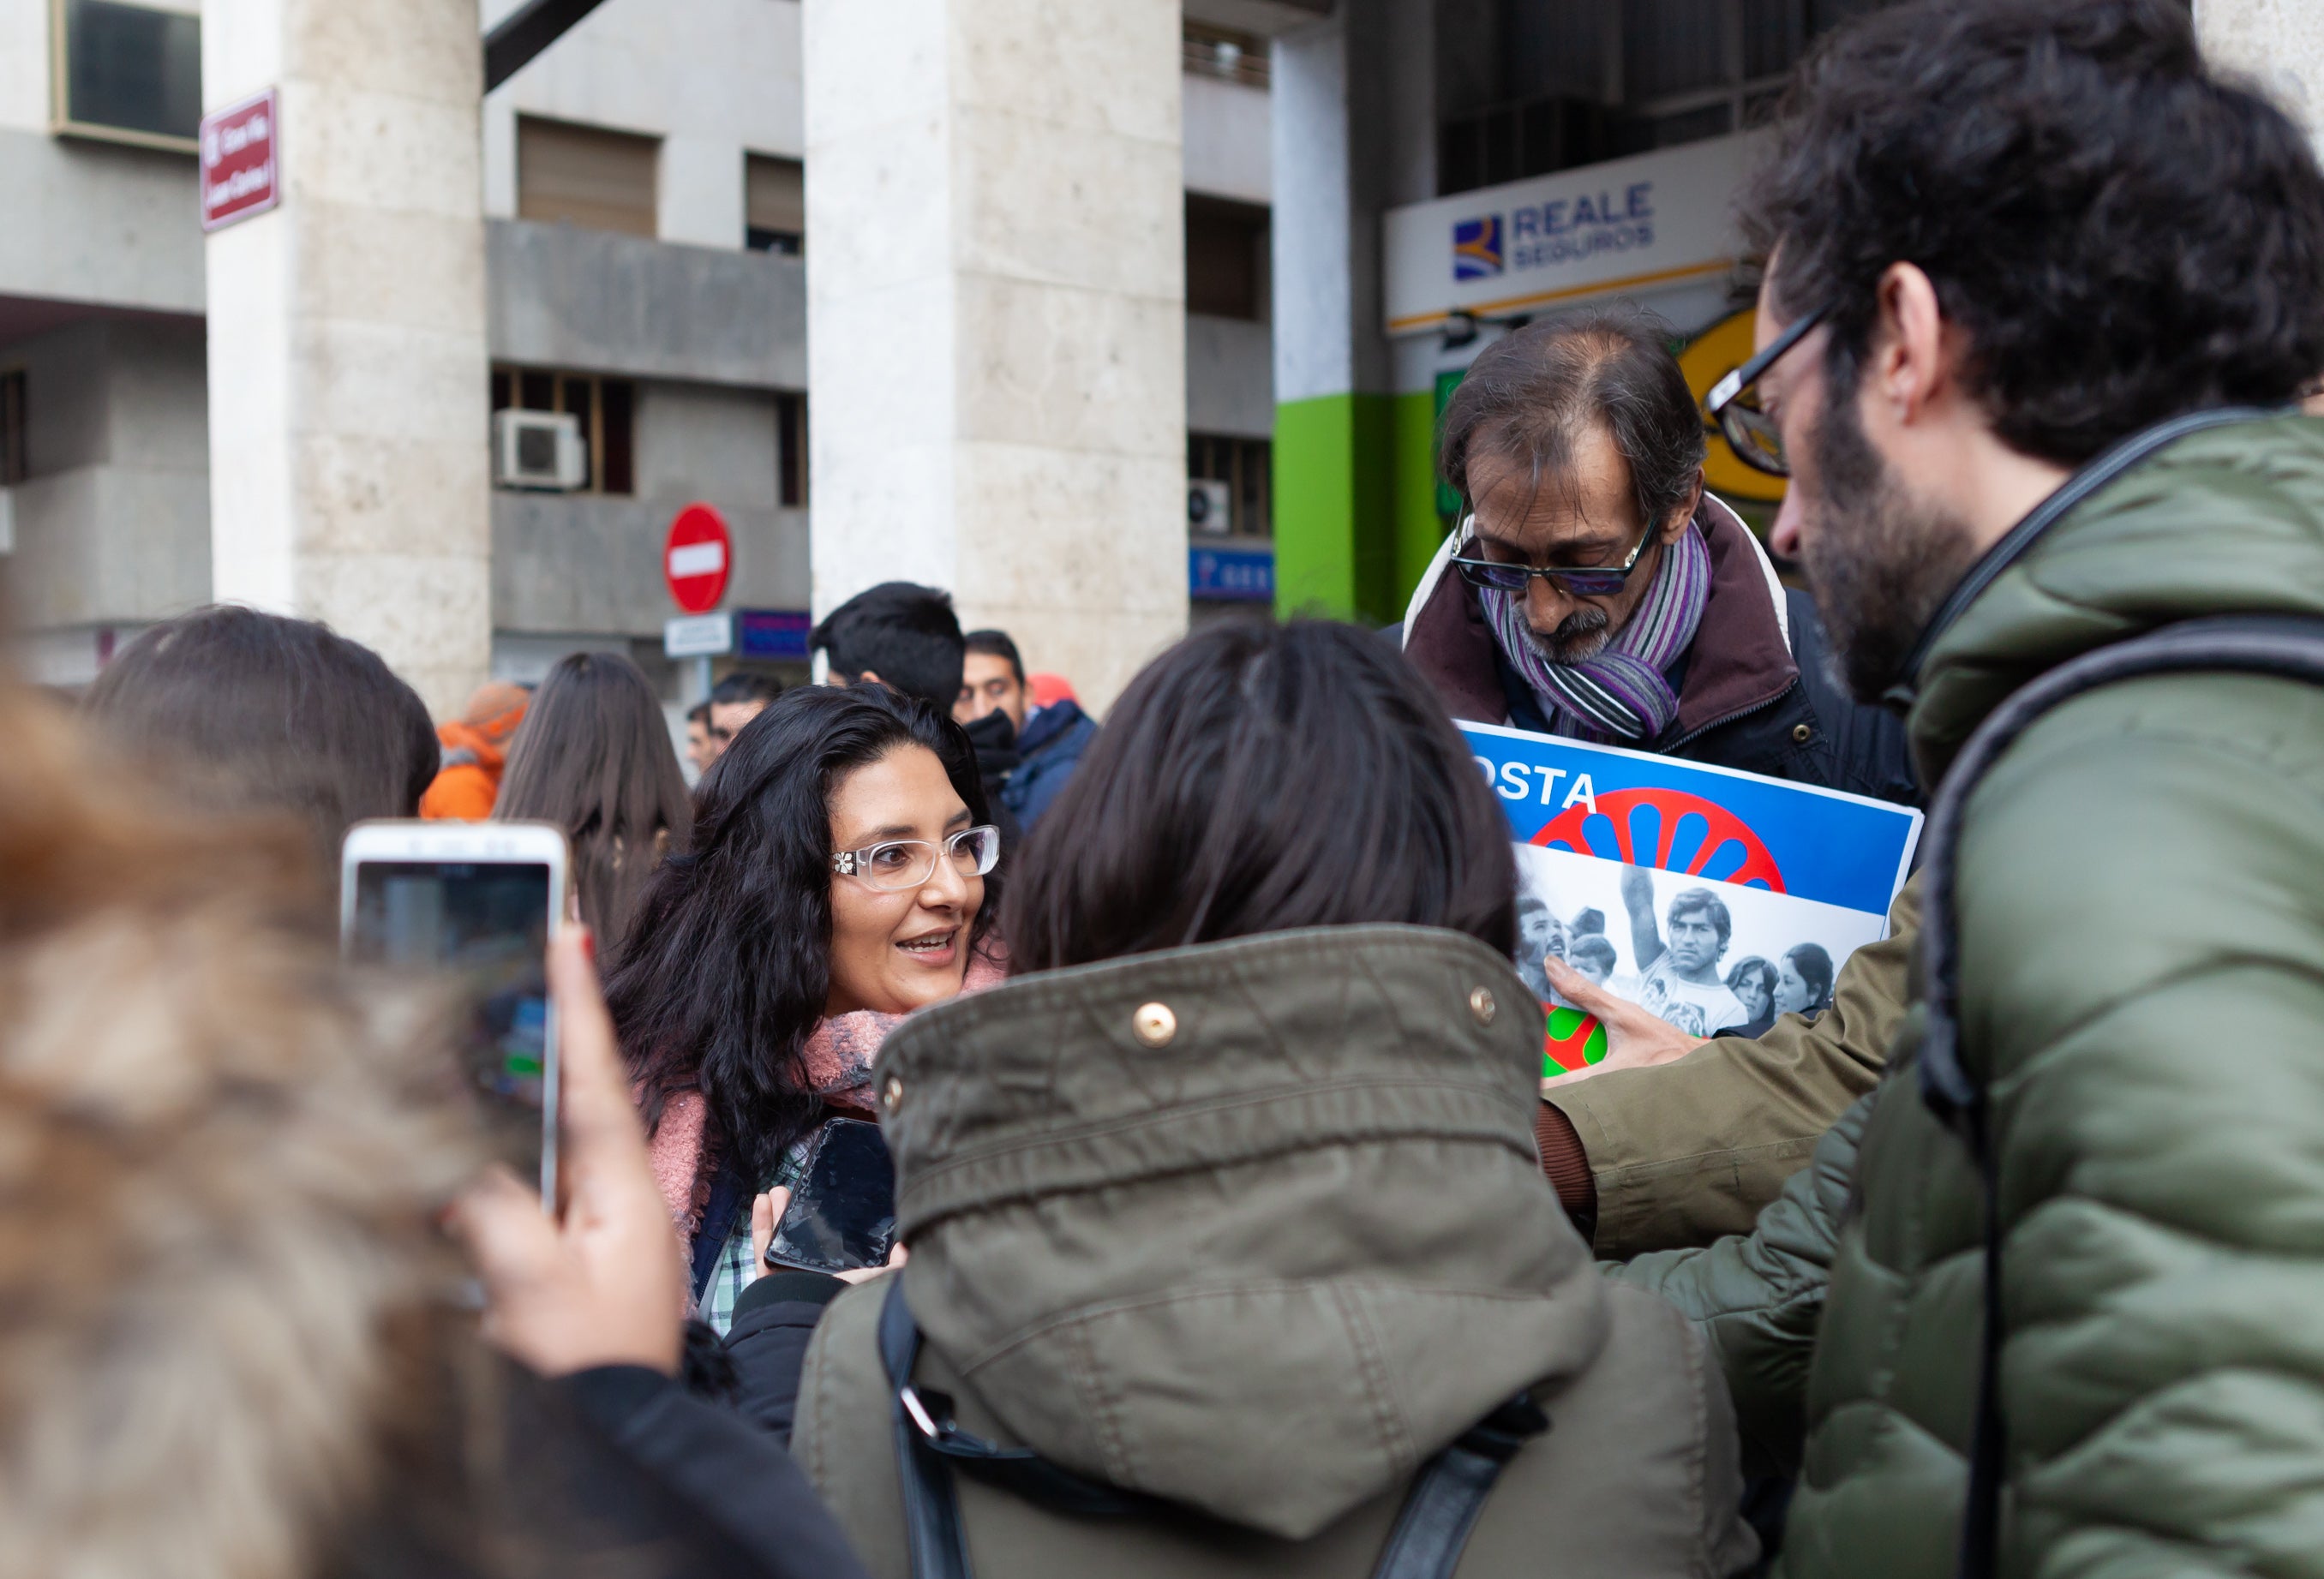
(1587, 581)
(1734, 405)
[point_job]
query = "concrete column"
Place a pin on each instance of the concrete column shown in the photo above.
(1354, 134)
(2280, 43)
(996, 317)
(348, 432)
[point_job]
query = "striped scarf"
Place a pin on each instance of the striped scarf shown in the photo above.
(1620, 695)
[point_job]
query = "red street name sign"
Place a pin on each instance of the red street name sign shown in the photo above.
(696, 558)
(238, 172)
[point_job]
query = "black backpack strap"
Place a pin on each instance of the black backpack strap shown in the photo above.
(1438, 1513)
(2286, 647)
(1450, 1492)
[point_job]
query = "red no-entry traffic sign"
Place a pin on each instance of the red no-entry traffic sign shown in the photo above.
(696, 558)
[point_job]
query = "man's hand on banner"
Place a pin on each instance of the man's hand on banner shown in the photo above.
(1634, 1039)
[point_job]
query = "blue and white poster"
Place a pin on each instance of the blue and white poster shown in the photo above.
(1717, 899)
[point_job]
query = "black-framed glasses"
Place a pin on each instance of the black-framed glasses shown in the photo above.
(1734, 404)
(908, 863)
(1580, 580)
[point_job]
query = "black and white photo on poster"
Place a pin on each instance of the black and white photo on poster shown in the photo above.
(1704, 955)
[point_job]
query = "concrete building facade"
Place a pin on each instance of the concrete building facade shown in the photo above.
(1055, 245)
(643, 258)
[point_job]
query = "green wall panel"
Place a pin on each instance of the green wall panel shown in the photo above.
(1419, 528)
(1355, 507)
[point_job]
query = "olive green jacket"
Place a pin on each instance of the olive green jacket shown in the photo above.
(1258, 1228)
(2142, 995)
(1685, 1152)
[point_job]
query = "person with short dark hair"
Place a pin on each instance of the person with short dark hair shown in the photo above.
(699, 752)
(1539, 935)
(594, 757)
(992, 679)
(1678, 977)
(1593, 588)
(899, 635)
(907, 638)
(1592, 955)
(2043, 294)
(1753, 981)
(1804, 981)
(236, 711)
(1050, 739)
(1261, 1174)
(733, 703)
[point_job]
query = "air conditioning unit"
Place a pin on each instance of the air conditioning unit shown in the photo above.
(539, 449)
(1210, 507)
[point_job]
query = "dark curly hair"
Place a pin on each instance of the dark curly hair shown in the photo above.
(2122, 234)
(1531, 394)
(727, 965)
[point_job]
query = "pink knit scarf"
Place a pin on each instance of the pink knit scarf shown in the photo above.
(838, 1057)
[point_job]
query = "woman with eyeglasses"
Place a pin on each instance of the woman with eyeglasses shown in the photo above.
(841, 876)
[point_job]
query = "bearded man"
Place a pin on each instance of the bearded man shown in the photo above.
(2043, 292)
(1595, 590)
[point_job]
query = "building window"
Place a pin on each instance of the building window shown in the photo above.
(1244, 466)
(16, 465)
(790, 449)
(585, 176)
(1542, 89)
(127, 73)
(605, 408)
(1222, 52)
(1227, 263)
(774, 205)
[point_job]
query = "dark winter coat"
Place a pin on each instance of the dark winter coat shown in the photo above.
(1262, 1270)
(1048, 752)
(1754, 693)
(2142, 982)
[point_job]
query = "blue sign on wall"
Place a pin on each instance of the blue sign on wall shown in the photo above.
(1230, 575)
(772, 633)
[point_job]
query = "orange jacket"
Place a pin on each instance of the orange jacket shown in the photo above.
(475, 752)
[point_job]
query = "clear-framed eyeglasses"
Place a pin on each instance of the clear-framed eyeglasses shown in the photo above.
(908, 863)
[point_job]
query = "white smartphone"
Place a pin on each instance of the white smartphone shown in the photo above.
(473, 904)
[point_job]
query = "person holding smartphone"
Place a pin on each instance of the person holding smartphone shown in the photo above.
(841, 876)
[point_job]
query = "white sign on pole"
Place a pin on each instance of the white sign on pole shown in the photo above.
(1647, 223)
(697, 636)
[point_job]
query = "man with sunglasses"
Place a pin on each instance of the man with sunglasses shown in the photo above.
(1594, 590)
(2042, 293)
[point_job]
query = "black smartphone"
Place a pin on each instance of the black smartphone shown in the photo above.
(471, 905)
(842, 1210)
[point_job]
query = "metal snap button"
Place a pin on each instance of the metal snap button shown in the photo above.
(1481, 1004)
(1803, 733)
(892, 1094)
(1154, 1024)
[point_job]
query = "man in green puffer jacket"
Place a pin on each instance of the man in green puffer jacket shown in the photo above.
(2026, 261)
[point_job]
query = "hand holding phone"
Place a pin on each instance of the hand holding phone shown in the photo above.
(768, 1210)
(472, 906)
(841, 1217)
(598, 1280)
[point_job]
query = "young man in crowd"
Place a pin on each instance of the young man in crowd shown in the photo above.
(904, 636)
(735, 702)
(1594, 590)
(2043, 292)
(1048, 747)
(1679, 979)
(907, 638)
(698, 753)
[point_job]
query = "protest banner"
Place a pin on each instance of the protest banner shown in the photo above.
(1716, 898)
